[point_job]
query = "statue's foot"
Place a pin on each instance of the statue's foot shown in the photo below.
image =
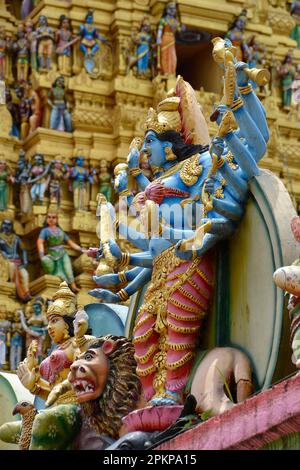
(226, 124)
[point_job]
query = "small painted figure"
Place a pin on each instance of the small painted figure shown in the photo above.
(16, 343)
(22, 49)
(143, 42)
(39, 179)
(236, 35)
(63, 37)
(4, 342)
(58, 173)
(105, 180)
(13, 108)
(287, 73)
(45, 40)
(32, 38)
(24, 110)
(6, 178)
(35, 106)
(81, 178)
(89, 43)
(57, 261)
(36, 326)
(22, 180)
(168, 25)
(3, 49)
(295, 12)
(60, 118)
(12, 248)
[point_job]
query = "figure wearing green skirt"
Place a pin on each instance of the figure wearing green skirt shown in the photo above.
(57, 261)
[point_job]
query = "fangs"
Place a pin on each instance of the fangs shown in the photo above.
(83, 386)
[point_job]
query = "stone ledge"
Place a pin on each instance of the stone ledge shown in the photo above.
(250, 425)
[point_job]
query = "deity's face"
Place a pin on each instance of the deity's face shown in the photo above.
(37, 308)
(89, 18)
(240, 23)
(88, 375)
(38, 160)
(60, 82)
(57, 329)
(65, 23)
(2, 165)
(155, 149)
(42, 21)
(29, 26)
(57, 165)
(52, 219)
(79, 161)
(7, 227)
(171, 9)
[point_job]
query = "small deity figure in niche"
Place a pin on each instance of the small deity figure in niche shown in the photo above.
(39, 179)
(35, 106)
(58, 173)
(63, 41)
(22, 49)
(32, 38)
(45, 40)
(89, 44)
(3, 50)
(80, 178)
(236, 35)
(6, 178)
(12, 249)
(57, 261)
(143, 40)
(168, 25)
(295, 12)
(24, 110)
(5, 327)
(105, 180)
(13, 108)
(22, 180)
(16, 343)
(287, 73)
(36, 325)
(60, 118)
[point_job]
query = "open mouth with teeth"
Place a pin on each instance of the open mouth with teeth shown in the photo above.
(83, 388)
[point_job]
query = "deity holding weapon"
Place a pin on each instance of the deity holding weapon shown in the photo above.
(13, 251)
(168, 25)
(177, 246)
(64, 40)
(22, 48)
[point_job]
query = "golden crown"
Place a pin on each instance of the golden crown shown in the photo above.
(166, 117)
(64, 302)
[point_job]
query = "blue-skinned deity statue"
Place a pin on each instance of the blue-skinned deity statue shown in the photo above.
(89, 44)
(196, 199)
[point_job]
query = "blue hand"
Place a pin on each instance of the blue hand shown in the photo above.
(186, 255)
(105, 295)
(241, 76)
(114, 249)
(217, 146)
(107, 280)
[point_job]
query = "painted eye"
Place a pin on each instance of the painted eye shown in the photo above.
(88, 357)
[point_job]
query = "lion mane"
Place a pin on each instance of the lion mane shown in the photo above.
(122, 390)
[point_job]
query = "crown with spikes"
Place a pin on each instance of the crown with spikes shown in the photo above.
(64, 302)
(166, 117)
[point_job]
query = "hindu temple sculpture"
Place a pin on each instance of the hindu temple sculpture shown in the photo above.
(35, 105)
(178, 247)
(6, 179)
(58, 173)
(45, 43)
(63, 41)
(38, 179)
(70, 340)
(56, 260)
(168, 25)
(35, 326)
(5, 327)
(89, 43)
(16, 342)
(80, 179)
(288, 278)
(60, 118)
(22, 49)
(13, 108)
(295, 12)
(26, 7)
(143, 41)
(105, 180)
(287, 73)
(22, 180)
(14, 254)
(31, 35)
(3, 52)
(24, 110)
(236, 35)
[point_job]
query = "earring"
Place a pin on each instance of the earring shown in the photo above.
(66, 334)
(169, 154)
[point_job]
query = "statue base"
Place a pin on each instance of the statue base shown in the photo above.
(152, 418)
